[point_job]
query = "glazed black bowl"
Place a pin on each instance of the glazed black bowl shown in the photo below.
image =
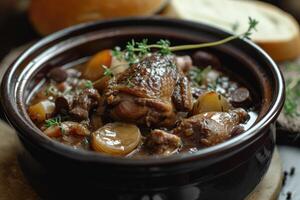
(231, 169)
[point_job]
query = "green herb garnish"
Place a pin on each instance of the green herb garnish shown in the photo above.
(134, 51)
(198, 75)
(117, 53)
(88, 84)
(107, 72)
(51, 90)
(53, 122)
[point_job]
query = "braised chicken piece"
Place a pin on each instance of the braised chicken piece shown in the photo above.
(149, 92)
(211, 128)
(159, 142)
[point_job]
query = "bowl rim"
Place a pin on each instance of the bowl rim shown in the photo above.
(18, 121)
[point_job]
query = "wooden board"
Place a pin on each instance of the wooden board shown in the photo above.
(13, 185)
(270, 186)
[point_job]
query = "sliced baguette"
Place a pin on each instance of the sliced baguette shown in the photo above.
(48, 16)
(278, 32)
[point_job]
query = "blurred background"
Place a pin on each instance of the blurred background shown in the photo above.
(22, 21)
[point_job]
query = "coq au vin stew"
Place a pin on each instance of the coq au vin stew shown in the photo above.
(142, 101)
(160, 105)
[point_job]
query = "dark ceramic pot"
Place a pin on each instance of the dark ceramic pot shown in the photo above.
(230, 170)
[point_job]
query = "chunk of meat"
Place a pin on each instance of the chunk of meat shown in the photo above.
(144, 93)
(84, 102)
(159, 142)
(63, 104)
(182, 95)
(210, 128)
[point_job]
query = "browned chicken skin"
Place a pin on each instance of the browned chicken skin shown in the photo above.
(210, 128)
(150, 92)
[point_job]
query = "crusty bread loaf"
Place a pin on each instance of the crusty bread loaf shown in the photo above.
(278, 32)
(48, 16)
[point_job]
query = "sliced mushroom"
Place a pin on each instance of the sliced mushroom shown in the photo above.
(240, 97)
(58, 74)
(204, 59)
(116, 138)
(210, 102)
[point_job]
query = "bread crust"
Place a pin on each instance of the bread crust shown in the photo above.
(279, 49)
(49, 16)
(282, 50)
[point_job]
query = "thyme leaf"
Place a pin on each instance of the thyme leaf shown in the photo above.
(117, 53)
(88, 84)
(53, 122)
(108, 72)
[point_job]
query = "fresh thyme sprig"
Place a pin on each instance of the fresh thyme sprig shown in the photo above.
(135, 50)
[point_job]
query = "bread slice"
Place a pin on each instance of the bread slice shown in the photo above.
(278, 32)
(48, 16)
